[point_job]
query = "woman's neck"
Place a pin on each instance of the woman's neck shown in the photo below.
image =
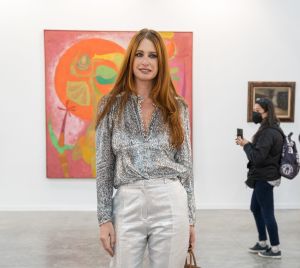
(143, 88)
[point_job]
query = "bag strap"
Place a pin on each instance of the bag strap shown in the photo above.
(281, 132)
(192, 258)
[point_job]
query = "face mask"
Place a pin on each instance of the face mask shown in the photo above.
(256, 117)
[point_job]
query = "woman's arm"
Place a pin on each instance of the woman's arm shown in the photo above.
(105, 162)
(258, 152)
(184, 156)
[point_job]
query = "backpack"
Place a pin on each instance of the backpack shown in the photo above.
(289, 162)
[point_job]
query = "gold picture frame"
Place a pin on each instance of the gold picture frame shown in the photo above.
(282, 94)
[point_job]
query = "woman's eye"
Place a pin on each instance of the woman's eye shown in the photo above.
(152, 56)
(139, 54)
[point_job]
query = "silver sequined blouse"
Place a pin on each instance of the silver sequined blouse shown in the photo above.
(125, 153)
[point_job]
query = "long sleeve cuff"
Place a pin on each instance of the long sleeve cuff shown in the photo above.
(192, 210)
(104, 212)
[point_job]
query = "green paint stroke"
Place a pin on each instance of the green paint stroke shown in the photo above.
(54, 141)
(78, 92)
(84, 62)
(174, 70)
(105, 75)
(118, 59)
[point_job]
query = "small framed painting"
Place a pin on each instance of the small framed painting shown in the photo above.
(282, 94)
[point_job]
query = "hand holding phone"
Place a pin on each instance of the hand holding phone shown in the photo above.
(239, 133)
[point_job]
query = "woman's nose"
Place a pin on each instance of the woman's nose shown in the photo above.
(145, 61)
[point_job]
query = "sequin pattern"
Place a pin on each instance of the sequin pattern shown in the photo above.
(126, 153)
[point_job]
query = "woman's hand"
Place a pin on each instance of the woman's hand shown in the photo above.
(107, 237)
(240, 141)
(192, 241)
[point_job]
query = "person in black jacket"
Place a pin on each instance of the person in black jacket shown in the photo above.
(264, 154)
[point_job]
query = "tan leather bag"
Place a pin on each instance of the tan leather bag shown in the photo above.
(190, 261)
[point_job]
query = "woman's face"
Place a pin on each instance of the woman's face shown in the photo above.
(259, 109)
(145, 64)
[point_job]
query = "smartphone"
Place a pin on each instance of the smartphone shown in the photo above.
(239, 132)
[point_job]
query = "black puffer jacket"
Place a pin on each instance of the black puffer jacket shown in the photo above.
(264, 156)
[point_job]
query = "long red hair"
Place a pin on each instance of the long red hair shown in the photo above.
(163, 93)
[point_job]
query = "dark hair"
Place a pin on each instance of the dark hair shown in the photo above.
(271, 120)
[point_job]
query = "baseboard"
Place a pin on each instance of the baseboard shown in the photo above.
(93, 208)
(245, 206)
(47, 208)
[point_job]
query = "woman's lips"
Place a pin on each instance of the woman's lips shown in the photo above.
(145, 71)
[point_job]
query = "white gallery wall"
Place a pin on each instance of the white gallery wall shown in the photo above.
(235, 41)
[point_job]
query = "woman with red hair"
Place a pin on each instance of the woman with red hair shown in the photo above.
(143, 150)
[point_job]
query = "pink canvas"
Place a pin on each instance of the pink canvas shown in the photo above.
(80, 68)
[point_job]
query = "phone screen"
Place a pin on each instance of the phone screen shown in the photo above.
(239, 132)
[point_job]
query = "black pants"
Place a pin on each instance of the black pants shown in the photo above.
(262, 206)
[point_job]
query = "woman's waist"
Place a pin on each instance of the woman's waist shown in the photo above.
(142, 182)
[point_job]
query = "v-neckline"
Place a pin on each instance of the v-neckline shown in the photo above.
(145, 130)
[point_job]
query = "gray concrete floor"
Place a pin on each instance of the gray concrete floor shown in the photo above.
(70, 240)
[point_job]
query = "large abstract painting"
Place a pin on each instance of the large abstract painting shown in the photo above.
(80, 68)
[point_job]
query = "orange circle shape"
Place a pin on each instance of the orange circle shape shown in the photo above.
(75, 74)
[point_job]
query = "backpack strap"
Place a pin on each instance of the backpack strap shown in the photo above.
(282, 133)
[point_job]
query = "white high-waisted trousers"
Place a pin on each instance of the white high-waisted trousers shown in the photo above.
(151, 213)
